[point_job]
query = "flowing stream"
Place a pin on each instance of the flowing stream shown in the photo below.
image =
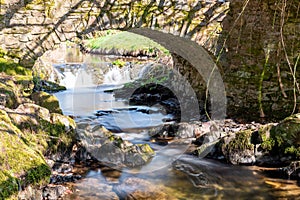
(186, 177)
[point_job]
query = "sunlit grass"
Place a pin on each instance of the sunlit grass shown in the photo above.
(126, 41)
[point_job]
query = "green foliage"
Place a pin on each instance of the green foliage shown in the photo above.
(126, 41)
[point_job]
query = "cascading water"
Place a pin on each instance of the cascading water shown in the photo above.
(117, 75)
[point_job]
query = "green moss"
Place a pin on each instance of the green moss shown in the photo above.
(145, 148)
(25, 135)
(7, 92)
(48, 5)
(264, 132)
(44, 85)
(119, 63)
(13, 88)
(242, 141)
(47, 137)
(47, 100)
(286, 136)
(20, 165)
(11, 68)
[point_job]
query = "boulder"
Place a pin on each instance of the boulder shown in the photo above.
(238, 149)
(281, 142)
(103, 146)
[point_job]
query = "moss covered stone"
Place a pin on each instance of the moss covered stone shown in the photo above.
(14, 89)
(20, 164)
(47, 100)
(26, 134)
(238, 148)
(11, 68)
(264, 133)
(286, 137)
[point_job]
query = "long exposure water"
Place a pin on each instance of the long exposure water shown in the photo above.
(184, 177)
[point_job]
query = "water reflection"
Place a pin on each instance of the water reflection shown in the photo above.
(217, 181)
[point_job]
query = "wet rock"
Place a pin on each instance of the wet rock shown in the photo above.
(108, 152)
(293, 170)
(136, 188)
(53, 192)
(44, 85)
(138, 155)
(196, 176)
(64, 178)
(178, 130)
(103, 146)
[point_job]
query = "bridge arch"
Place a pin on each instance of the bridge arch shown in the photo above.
(32, 27)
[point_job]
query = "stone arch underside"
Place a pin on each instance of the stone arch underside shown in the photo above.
(30, 28)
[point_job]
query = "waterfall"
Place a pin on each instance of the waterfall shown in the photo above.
(68, 80)
(118, 75)
(72, 76)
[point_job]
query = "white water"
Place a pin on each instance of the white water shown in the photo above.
(117, 75)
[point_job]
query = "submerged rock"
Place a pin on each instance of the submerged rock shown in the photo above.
(136, 188)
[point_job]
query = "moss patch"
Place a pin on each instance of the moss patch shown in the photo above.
(286, 136)
(242, 141)
(13, 89)
(20, 165)
(46, 100)
(44, 85)
(11, 68)
(26, 134)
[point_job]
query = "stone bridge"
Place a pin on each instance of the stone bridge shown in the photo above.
(31, 27)
(256, 42)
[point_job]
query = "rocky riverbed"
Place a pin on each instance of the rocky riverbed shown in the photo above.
(56, 154)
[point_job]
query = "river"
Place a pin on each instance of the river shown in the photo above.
(180, 177)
